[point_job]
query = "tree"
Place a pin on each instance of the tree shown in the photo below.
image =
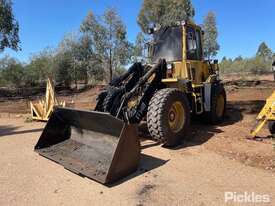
(9, 27)
(68, 60)
(258, 65)
(164, 13)
(239, 58)
(139, 46)
(264, 51)
(211, 46)
(11, 72)
(63, 70)
(40, 67)
(108, 40)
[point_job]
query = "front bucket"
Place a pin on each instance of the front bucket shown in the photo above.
(91, 144)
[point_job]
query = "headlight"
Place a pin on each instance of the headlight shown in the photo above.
(170, 70)
(170, 66)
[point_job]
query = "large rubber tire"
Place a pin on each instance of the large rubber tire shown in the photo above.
(218, 105)
(100, 101)
(159, 116)
(271, 127)
(112, 101)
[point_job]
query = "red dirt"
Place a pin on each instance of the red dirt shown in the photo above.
(210, 161)
(228, 139)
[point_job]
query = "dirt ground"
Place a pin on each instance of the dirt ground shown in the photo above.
(212, 160)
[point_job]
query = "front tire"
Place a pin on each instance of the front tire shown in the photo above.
(168, 116)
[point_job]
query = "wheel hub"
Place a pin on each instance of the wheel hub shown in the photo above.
(176, 117)
(172, 116)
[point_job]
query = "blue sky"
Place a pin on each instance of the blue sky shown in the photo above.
(242, 24)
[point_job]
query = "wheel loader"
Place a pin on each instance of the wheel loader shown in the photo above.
(176, 85)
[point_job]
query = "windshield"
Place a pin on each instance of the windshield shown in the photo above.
(167, 44)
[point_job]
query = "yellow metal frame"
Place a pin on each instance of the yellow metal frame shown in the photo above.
(182, 69)
(42, 110)
(267, 114)
(197, 71)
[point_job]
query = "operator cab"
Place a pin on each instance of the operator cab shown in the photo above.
(181, 47)
(177, 43)
(167, 44)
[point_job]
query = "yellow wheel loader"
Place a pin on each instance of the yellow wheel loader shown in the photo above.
(178, 83)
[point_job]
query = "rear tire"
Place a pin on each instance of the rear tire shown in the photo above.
(271, 127)
(218, 105)
(168, 116)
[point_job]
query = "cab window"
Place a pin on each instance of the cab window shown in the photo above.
(193, 42)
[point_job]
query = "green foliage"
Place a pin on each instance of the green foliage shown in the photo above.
(107, 36)
(211, 46)
(100, 47)
(68, 66)
(9, 27)
(260, 63)
(63, 70)
(11, 72)
(40, 67)
(119, 71)
(76, 60)
(256, 65)
(139, 47)
(164, 13)
(264, 51)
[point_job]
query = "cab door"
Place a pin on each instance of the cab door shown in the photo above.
(194, 55)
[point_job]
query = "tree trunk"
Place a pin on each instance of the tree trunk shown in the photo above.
(75, 83)
(75, 78)
(86, 77)
(110, 66)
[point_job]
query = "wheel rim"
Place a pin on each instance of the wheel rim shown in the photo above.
(220, 106)
(176, 117)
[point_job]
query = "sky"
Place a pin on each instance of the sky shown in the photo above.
(242, 24)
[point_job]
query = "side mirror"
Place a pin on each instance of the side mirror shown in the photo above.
(216, 61)
(273, 66)
(151, 31)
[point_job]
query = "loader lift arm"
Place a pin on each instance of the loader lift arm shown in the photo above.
(145, 90)
(124, 82)
(115, 99)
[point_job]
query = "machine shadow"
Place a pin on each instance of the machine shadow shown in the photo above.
(11, 130)
(147, 163)
(7, 129)
(200, 131)
(248, 107)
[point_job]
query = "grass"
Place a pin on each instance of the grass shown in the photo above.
(28, 120)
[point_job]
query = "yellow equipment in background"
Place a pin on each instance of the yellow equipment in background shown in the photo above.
(42, 110)
(267, 115)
